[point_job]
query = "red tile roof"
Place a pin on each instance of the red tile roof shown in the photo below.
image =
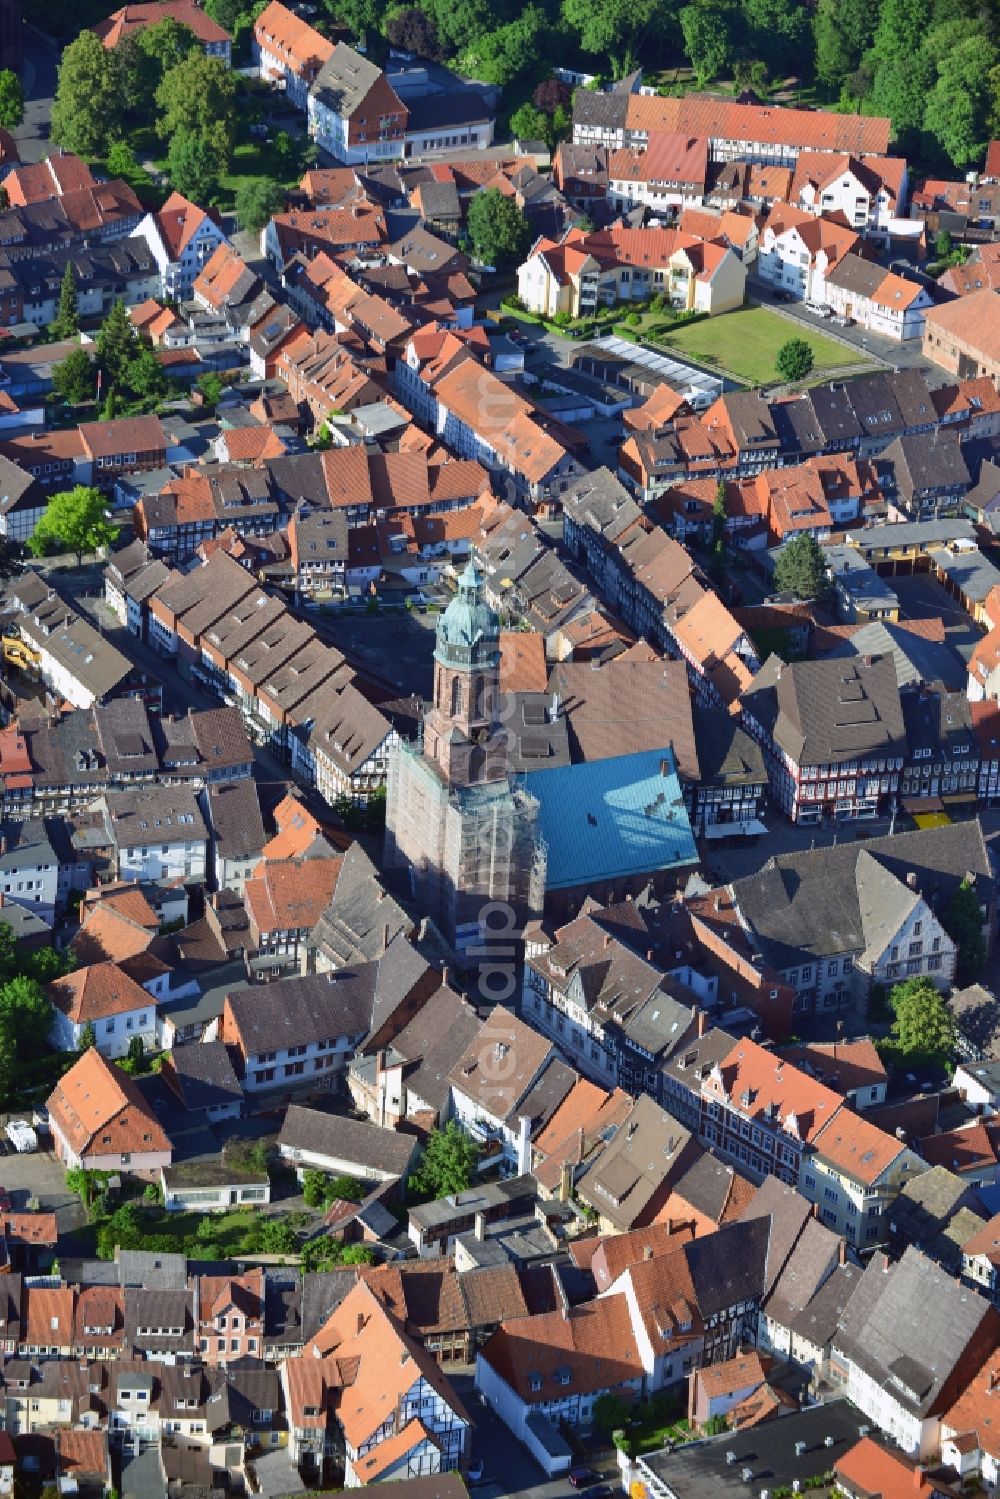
(91, 994)
(133, 18)
(869, 1468)
(101, 1111)
(594, 1343)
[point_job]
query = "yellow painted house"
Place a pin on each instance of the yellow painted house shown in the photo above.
(582, 272)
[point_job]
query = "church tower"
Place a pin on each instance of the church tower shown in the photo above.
(467, 834)
(462, 733)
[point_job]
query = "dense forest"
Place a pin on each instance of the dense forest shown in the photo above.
(932, 66)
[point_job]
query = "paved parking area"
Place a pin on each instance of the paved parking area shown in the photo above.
(508, 1468)
(39, 1174)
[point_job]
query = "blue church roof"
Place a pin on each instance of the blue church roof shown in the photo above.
(609, 818)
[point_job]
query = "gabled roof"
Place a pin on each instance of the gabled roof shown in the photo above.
(91, 994)
(362, 1353)
(100, 1110)
(135, 18)
(911, 1327)
(869, 1468)
(762, 1086)
(484, 1073)
(585, 1350)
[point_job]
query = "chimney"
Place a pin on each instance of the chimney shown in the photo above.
(379, 1063)
(579, 1146)
(911, 878)
(361, 1323)
(480, 1226)
(385, 935)
(649, 954)
(565, 1182)
(523, 1145)
(607, 939)
(444, 978)
(842, 1252)
(702, 1022)
(718, 901)
(918, 1477)
(647, 1251)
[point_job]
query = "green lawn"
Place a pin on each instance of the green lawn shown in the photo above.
(745, 344)
(228, 1229)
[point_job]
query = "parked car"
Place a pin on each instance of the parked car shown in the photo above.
(844, 322)
(782, 296)
(476, 1471)
(818, 310)
(579, 1478)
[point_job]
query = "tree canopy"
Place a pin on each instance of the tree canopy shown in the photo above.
(74, 521)
(963, 920)
(194, 165)
(447, 1164)
(197, 97)
(257, 200)
(794, 360)
(11, 99)
(800, 568)
(413, 30)
(923, 1031)
(86, 105)
(75, 377)
(497, 228)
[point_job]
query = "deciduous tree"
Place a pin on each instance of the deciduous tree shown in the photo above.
(529, 124)
(498, 229)
(447, 1164)
(413, 30)
(75, 378)
(194, 166)
(74, 521)
(962, 104)
(120, 160)
(257, 200)
(198, 97)
(923, 1031)
(551, 95)
(86, 107)
(709, 30)
(11, 99)
(794, 360)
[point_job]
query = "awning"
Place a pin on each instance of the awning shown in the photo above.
(752, 829)
(914, 804)
(958, 798)
(926, 820)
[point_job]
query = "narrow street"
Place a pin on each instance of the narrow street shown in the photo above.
(39, 78)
